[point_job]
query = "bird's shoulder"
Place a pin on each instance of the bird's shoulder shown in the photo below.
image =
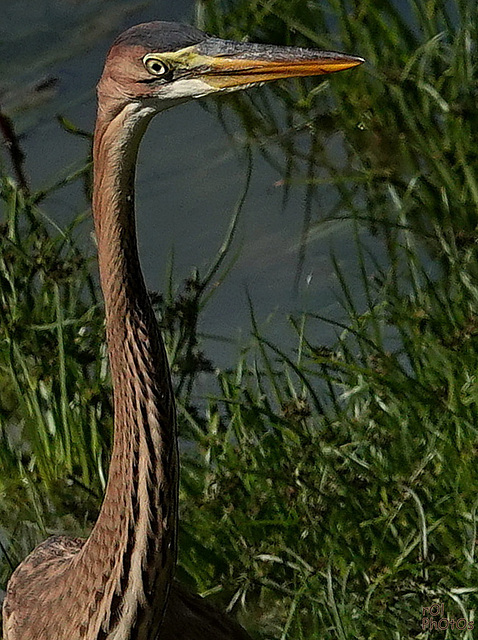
(52, 549)
(43, 562)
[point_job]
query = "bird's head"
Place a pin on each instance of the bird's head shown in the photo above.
(159, 64)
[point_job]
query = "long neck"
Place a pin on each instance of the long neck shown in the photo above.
(132, 548)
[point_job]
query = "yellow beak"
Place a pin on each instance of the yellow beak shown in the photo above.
(227, 64)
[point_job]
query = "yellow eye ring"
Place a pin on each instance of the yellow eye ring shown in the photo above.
(155, 65)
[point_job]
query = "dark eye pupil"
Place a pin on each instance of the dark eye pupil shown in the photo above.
(157, 67)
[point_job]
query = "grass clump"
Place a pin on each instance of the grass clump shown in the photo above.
(55, 411)
(383, 423)
(347, 519)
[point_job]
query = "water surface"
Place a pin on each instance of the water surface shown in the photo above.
(190, 174)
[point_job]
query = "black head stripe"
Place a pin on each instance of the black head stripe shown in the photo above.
(161, 36)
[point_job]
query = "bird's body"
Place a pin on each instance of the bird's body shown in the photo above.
(119, 583)
(187, 616)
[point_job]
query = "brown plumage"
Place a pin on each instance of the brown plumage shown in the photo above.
(118, 584)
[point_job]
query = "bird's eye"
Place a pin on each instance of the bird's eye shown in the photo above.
(155, 66)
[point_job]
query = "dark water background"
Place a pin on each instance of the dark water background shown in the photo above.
(190, 176)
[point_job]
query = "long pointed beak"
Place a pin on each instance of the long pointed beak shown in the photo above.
(228, 64)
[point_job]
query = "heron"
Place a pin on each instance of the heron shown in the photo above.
(119, 583)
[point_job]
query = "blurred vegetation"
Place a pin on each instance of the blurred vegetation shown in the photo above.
(331, 492)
